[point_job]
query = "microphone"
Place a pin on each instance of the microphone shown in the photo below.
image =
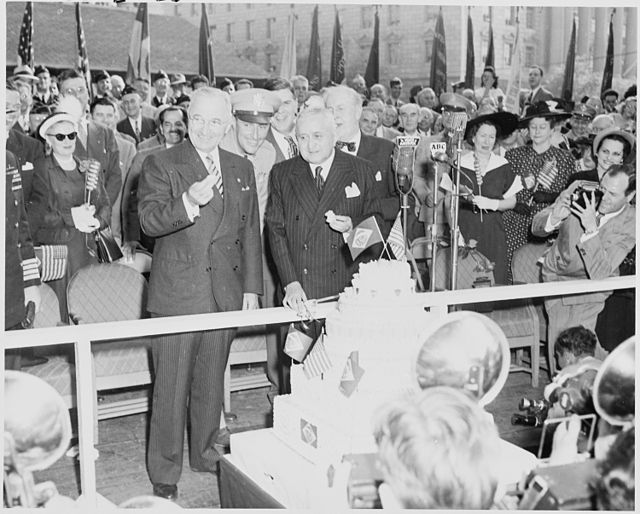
(442, 157)
(91, 168)
(404, 156)
(454, 121)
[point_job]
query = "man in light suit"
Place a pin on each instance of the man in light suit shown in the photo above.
(536, 93)
(200, 204)
(592, 242)
(314, 199)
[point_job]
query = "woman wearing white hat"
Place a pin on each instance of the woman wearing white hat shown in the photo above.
(58, 213)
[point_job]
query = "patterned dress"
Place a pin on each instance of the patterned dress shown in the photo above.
(524, 161)
(489, 230)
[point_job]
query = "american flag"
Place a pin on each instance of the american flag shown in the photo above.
(138, 65)
(83, 61)
(25, 46)
(318, 361)
(396, 239)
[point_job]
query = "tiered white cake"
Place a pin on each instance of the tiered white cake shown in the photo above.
(375, 330)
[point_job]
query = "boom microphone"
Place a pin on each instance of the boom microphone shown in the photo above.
(404, 157)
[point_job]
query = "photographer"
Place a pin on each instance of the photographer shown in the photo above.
(593, 240)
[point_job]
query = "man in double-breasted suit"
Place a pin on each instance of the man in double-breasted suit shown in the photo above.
(200, 204)
(592, 242)
(314, 199)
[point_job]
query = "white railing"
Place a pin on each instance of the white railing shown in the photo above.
(82, 336)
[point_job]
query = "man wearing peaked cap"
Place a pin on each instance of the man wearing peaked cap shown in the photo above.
(43, 87)
(178, 84)
(135, 124)
(577, 138)
(161, 85)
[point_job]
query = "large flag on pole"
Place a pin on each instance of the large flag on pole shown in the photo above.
(288, 67)
(607, 75)
(314, 64)
(469, 76)
(83, 60)
(205, 59)
(336, 73)
(512, 100)
(139, 65)
(438, 80)
(372, 75)
(25, 44)
(569, 67)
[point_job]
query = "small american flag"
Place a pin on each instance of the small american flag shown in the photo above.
(396, 240)
(317, 362)
(25, 46)
(83, 60)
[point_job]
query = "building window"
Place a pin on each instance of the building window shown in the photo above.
(428, 49)
(392, 48)
(366, 17)
(268, 62)
(394, 15)
(229, 7)
(194, 9)
(511, 19)
(249, 6)
(508, 48)
(530, 21)
(210, 8)
(229, 32)
(270, 24)
(529, 55)
(249, 30)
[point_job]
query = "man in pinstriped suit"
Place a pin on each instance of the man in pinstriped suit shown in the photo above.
(314, 199)
(200, 204)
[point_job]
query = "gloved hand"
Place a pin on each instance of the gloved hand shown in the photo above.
(84, 219)
(488, 204)
(544, 197)
(522, 208)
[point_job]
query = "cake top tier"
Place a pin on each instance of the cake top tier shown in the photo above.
(383, 278)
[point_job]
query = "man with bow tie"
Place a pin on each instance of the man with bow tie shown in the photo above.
(200, 204)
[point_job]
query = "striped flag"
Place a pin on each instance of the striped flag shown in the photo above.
(317, 362)
(288, 67)
(205, 60)
(83, 60)
(372, 75)
(25, 45)
(139, 65)
(438, 81)
(396, 239)
(607, 74)
(336, 73)
(314, 64)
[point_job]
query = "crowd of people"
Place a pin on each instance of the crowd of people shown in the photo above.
(245, 197)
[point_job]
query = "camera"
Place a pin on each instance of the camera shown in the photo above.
(578, 198)
(535, 412)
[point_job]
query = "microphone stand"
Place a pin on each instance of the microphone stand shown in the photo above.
(455, 205)
(434, 230)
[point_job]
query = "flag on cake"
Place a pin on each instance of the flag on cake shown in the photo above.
(351, 375)
(317, 362)
(365, 234)
(396, 239)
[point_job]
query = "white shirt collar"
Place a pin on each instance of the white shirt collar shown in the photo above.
(136, 119)
(611, 215)
(326, 166)
(495, 161)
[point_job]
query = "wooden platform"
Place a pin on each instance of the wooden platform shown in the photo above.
(121, 470)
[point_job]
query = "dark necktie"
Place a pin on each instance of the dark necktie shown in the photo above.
(350, 145)
(319, 180)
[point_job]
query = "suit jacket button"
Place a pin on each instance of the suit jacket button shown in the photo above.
(237, 241)
(297, 218)
(333, 247)
(305, 271)
(333, 271)
(235, 268)
(305, 246)
(207, 269)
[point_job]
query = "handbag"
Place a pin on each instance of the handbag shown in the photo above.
(106, 247)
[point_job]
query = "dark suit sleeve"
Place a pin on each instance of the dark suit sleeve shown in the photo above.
(160, 207)
(252, 244)
(130, 221)
(113, 175)
(372, 203)
(275, 220)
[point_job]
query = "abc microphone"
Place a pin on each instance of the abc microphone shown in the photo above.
(404, 157)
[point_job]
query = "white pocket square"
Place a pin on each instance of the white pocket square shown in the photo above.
(27, 166)
(378, 176)
(352, 191)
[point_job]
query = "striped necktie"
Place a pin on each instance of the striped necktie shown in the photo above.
(319, 180)
(293, 148)
(213, 170)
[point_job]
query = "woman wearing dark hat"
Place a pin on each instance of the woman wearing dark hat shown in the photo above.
(492, 188)
(544, 170)
(58, 214)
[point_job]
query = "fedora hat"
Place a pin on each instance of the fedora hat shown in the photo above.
(505, 122)
(549, 109)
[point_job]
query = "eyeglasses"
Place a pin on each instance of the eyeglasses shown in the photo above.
(60, 137)
(77, 91)
(199, 122)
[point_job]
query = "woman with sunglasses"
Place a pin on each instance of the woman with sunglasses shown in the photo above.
(58, 211)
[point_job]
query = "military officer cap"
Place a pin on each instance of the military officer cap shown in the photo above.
(456, 102)
(100, 75)
(254, 105)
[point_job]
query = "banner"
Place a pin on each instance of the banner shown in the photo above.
(469, 76)
(314, 64)
(288, 66)
(83, 60)
(25, 44)
(512, 99)
(607, 75)
(438, 80)
(569, 67)
(139, 61)
(372, 75)
(336, 73)
(205, 44)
